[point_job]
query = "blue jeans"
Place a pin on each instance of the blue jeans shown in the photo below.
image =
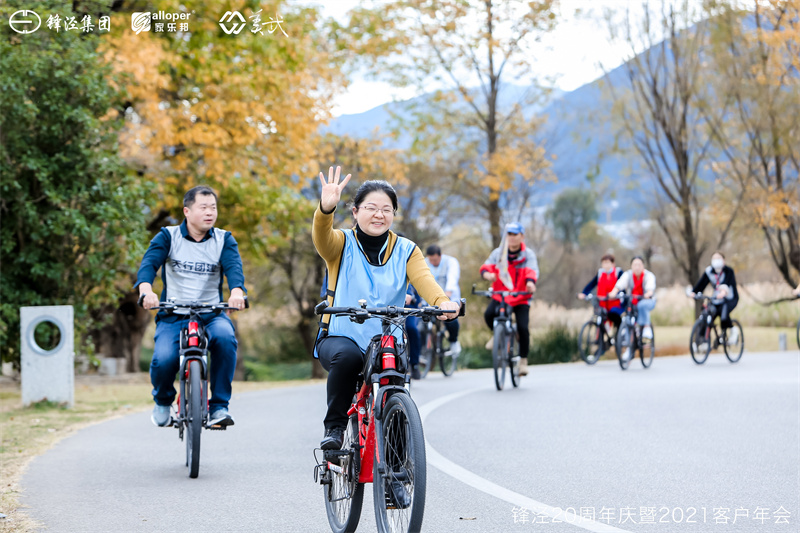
(644, 307)
(222, 345)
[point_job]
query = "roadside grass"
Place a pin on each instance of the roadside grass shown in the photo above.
(28, 432)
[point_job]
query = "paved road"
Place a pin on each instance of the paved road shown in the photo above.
(693, 444)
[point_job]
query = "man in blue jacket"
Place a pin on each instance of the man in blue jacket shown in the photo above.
(193, 259)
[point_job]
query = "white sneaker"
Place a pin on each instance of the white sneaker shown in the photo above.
(490, 343)
(647, 332)
(455, 348)
(702, 347)
(523, 366)
(733, 336)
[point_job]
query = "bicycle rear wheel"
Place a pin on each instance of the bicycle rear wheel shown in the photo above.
(427, 351)
(733, 351)
(194, 417)
(700, 341)
(399, 483)
(499, 357)
(344, 495)
(590, 342)
(447, 360)
(624, 344)
(647, 349)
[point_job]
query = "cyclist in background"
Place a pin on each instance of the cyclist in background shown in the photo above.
(523, 268)
(640, 285)
(193, 257)
(412, 332)
(605, 280)
(725, 296)
(447, 272)
(367, 262)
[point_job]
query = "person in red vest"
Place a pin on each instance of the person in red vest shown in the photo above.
(605, 280)
(523, 268)
(640, 284)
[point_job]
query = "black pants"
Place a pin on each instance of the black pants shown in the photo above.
(522, 313)
(723, 311)
(452, 330)
(343, 360)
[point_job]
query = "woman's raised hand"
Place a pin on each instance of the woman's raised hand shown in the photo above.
(331, 189)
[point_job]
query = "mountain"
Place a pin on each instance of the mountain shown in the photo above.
(576, 135)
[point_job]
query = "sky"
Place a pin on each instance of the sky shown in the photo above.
(572, 53)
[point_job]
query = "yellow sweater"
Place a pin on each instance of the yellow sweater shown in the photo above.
(329, 243)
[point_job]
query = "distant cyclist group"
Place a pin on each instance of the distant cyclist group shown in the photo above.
(390, 314)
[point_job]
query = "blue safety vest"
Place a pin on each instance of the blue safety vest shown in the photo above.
(379, 285)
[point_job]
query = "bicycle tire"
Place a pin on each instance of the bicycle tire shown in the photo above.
(734, 353)
(499, 359)
(798, 334)
(513, 363)
(344, 512)
(588, 339)
(696, 340)
(399, 495)
(447, 361)
(624, 345)
(647, 350)
(427, 352)
(194, 417)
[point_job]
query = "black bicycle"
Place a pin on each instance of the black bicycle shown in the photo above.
(435, 347)
(505, 352)
(192, 412)
(629, 338)
(706, 337)
(383, 443)
(595, 338)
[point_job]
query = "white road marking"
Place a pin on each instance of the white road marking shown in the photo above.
(484, 485)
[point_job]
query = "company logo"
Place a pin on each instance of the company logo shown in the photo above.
(21, 21)
(229, 16)
(140, 22)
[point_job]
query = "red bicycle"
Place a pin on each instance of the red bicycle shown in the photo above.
(193, 391)
(383, 443)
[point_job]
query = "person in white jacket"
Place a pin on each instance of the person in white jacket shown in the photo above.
(640, 284)
(447, 272)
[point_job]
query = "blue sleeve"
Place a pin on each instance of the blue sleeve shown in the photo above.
(154, 258)
(232, 263)
(591, 285)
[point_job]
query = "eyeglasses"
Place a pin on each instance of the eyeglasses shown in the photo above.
(371, 209)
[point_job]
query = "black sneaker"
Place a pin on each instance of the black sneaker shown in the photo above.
(415, 374)
(333, 439)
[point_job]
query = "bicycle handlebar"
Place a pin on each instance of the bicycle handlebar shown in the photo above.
(503, 294)
(173, 306)
(590, 297)
(390, 311)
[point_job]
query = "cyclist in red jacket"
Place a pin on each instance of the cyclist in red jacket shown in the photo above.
(524, 271)
(605, 280)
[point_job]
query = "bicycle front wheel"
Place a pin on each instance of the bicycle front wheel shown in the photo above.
(733, 342)
(590, 341)
(427, 352)
(700, 341)
(624, 345)
(344, 495)
(194, 417)
(513, 360)
(499, 356)
(399, 481)
(447, 359)
(647, 349)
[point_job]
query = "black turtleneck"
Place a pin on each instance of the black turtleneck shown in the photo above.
(372, 245)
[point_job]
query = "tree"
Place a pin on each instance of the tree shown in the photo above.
(662, 114)
(73, 217)
(449, 44)
(572, 209)
(756, 54)
(239, 113)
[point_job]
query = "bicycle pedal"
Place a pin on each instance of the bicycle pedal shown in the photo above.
(217, 427)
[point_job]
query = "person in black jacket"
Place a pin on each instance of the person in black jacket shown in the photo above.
(723, 281)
